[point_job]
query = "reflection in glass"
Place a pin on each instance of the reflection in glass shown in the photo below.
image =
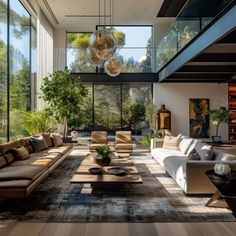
(19, 65)
(107, 104)
(3, 71)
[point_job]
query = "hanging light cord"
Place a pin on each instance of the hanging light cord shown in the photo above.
(99, 12)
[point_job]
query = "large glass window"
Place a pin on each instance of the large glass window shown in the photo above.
(135, 50)
(15, 86)
(3, 71)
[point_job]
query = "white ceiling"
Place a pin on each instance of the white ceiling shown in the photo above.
(126, 12)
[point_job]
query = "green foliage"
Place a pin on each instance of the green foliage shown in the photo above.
(63, 94)
(137, 113)
(151, 114)
(104, 150)
(218, 116)
(146, 140)
(32, 122)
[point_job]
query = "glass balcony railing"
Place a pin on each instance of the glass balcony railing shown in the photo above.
(194, 17)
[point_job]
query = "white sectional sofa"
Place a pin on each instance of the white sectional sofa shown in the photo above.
(190, 174)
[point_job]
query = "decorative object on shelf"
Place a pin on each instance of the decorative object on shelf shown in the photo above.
(218, 116)
(113, 66)
(222, 169)
(164, 119)
(74, 134)
(103, 155)
(199, 117)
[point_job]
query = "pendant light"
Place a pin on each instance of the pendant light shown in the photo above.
(113, 66)
(102, 42)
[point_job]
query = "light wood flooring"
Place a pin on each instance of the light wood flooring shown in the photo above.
(123, 229)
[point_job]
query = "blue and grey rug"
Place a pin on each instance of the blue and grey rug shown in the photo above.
(158, 199)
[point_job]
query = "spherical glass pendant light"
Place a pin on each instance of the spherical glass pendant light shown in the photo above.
(113, 66)
(103, 43)
(92, 58)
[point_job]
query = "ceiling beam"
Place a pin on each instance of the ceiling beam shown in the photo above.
(207, 69)
(215, 57)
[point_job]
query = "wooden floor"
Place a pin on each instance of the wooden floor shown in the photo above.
(108, 229)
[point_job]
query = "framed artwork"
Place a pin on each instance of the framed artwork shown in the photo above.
(199, 117)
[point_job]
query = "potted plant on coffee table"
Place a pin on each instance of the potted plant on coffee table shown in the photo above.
(103, 155)
(218, 116)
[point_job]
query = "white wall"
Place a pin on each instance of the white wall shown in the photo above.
(176, 98)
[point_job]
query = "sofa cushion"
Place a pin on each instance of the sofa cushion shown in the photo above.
(222, 156)
(171, 142)
(20, 153)
(204, 150)
(27, 144)
(11, 184)
(192, 146)
(5, 147)
(194, 156)
(29, 172)
(3, 162)
(48, 139)
(57, 140)
(9, 157)
(124, 146)
(160, 154)
(185, 144)
(39, 143)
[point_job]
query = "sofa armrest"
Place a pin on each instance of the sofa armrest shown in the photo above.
(196, 180)
(156, 143)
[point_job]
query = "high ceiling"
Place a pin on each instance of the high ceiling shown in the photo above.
(82, 15)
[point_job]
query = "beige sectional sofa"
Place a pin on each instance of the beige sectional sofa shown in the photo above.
(190, 174)
(18, 178)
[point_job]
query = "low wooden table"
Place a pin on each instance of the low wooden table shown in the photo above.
(106, 179)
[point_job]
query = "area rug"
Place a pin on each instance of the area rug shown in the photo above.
(158, 199)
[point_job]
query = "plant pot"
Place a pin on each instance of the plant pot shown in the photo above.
(216, 139)
(103, 161)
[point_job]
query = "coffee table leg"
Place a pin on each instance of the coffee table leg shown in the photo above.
(214, 197)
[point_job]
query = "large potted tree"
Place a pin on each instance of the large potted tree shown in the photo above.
(64, 96)
(218, 116)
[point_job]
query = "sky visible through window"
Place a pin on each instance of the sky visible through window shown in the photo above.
(136, 40)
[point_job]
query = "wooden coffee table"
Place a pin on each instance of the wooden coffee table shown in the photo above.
(106, 179)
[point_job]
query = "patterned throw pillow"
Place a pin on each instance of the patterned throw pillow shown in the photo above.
(48, 139)
(204, 150)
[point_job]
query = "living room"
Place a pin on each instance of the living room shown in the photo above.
(117, 117)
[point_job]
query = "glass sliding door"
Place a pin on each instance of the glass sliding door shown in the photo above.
(19, 77)
(107, 107)
(3, 71)
(134, 97)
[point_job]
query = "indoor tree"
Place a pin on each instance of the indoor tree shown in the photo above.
(64, 96)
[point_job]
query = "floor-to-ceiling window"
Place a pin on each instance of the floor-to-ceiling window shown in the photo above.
(15, 66)
(3, 71)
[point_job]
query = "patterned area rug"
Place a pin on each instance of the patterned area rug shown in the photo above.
(158, 199)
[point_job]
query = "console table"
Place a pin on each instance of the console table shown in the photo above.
(226, 188)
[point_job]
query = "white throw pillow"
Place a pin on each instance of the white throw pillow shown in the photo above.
(185, 144)
(204, 150)
(171, 142)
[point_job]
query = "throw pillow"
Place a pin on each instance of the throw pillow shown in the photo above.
(57, 140)
(3, 162)
(205, 151)
(9, 157)
(171, 142)
(20, 153)
(184, 145)
(48, 139)
(39, 143)
(194, 156)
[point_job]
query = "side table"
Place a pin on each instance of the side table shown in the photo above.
(226, 188)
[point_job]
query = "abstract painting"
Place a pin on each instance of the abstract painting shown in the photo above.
(199, 117)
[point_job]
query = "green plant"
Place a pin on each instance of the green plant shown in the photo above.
(32, 122)
(146, 140)
(104, 150)
(151, 115)
(218, 116)
(64, 96)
